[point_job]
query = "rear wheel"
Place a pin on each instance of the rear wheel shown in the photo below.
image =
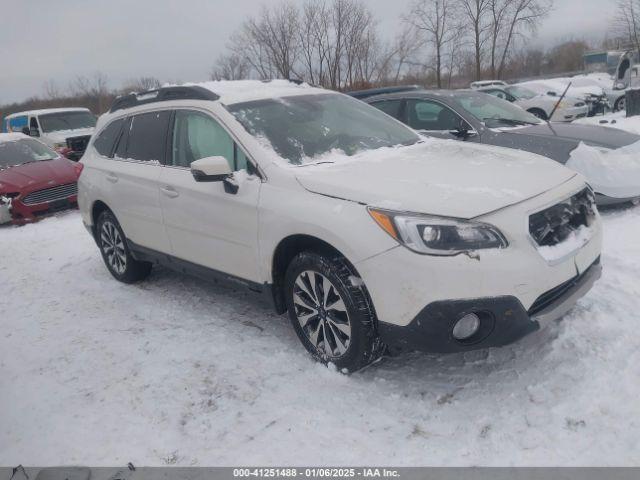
(331, 312)
(115, 251)
(538, 113)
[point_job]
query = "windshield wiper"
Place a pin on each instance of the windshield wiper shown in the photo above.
(511, 121)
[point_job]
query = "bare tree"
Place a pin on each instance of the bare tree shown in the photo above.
(141, 84)
(474, 14)
(626, 22)
(51, 90)
(94, 88)
(434, 20)
(269, 42)
(519, 16)
(230, 67)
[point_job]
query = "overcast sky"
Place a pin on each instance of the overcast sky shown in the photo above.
(174, 40)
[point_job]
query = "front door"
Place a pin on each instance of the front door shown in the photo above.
(437, 120)
(208, 224)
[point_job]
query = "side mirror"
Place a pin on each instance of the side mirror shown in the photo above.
(462, 130)
(26, 131)
(210, 169)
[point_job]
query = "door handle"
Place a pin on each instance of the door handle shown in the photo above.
(169, 191)
(112, 177)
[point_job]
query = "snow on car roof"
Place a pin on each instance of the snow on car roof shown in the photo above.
(12, 137)
(44, 111)
(238, 91)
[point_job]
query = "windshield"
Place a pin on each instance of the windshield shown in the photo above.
(53, 122)
(521, 92)
(23, 151)
(493, 111)
(302, 128)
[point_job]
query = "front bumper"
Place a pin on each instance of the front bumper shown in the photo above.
(570, 114)
(503, 319)
(22, 213)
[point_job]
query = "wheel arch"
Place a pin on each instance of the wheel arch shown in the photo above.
(285, 251)
(96, 209)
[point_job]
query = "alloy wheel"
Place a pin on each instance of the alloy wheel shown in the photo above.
(113, 247)
(322, 314)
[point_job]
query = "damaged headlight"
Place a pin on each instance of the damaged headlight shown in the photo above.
(5, 206)
(438, 235)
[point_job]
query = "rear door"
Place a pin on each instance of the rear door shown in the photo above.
(208, 224)
(131, 178)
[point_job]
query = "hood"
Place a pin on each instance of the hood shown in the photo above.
(590, 134)
(437, 177)
(62, 135)
(31, 176)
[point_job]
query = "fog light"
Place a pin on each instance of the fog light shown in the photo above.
(466, 327)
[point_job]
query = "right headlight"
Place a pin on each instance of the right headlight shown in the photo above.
(432, 235)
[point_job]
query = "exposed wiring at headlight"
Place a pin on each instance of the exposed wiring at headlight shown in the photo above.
(432, 235)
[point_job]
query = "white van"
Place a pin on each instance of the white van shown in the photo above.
(66, 130)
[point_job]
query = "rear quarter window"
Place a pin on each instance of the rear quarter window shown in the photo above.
(148, 137)
(106, 140)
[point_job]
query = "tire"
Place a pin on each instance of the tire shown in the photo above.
(538, 113)
(115, 251)
(621, 104)
(345, 315)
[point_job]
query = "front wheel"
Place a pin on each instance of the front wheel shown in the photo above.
(621, 104)
(331, 311)
(115, 251)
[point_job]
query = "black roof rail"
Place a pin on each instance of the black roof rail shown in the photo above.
(164, 94)
(360, 94)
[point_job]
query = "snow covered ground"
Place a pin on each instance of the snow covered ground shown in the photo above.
(614, 120)
(177, 371)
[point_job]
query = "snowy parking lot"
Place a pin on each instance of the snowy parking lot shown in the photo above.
(177, 371)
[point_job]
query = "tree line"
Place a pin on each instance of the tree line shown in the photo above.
(336, 44)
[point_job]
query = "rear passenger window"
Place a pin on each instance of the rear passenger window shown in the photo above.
(107, 138)
(390, 107)
(148, 137)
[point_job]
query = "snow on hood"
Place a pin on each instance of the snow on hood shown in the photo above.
(59, 170)
(437, 177)
(60, 136)
(615, 173)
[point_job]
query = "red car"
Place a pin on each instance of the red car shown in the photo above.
(34, 179)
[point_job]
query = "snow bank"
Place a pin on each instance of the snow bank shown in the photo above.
(615, 173)
(617, 120)
(176, 371)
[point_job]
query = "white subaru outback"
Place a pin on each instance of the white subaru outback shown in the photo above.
(366, 233)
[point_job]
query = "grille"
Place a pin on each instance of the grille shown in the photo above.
(556, 293)
(58, 192)
(78, 144)
(554, 224)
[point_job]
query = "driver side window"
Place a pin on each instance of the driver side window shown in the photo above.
(428, 115)
(196, 136)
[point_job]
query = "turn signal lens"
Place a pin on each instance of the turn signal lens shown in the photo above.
(385, 222)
